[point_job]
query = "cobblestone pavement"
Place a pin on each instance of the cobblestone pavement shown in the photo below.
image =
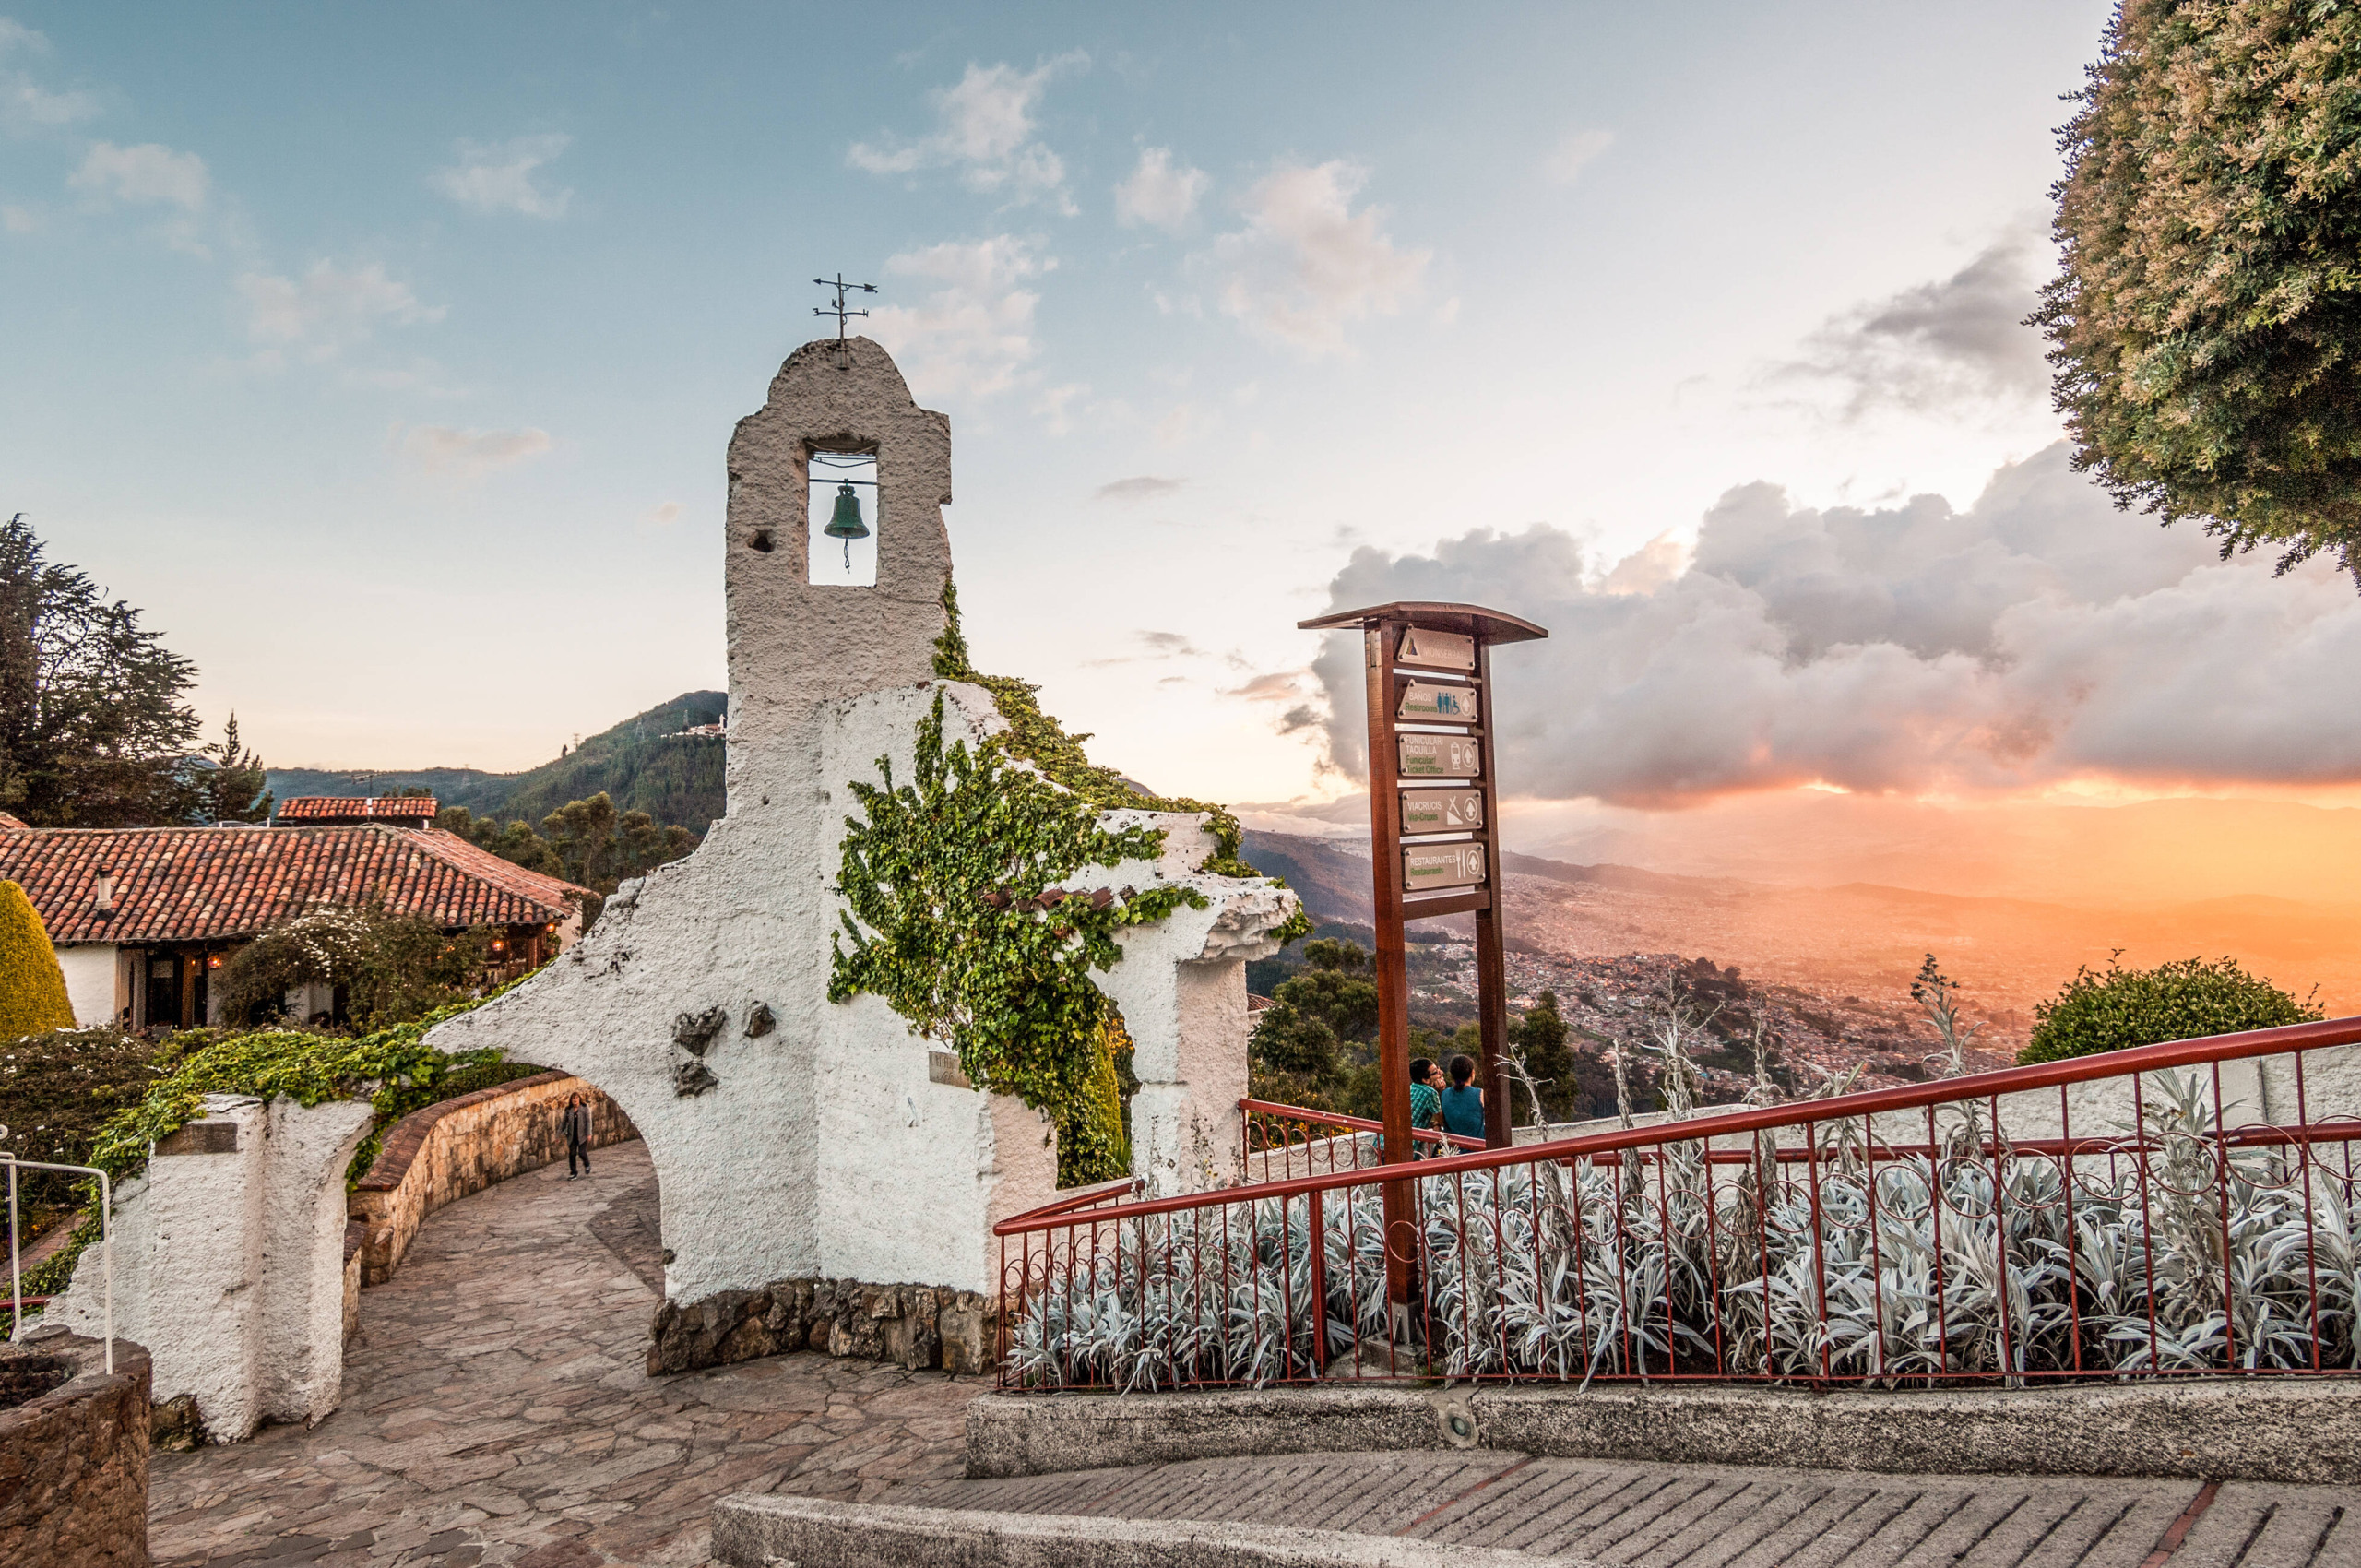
(1694, 1516)
(495, 1411)
(495, 1415)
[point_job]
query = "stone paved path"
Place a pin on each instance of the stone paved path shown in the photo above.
(1693, 1516)
(495, 1412)
(495, 1416)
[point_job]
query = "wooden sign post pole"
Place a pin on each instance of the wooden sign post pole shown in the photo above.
(1433, 851)
(1392, 958)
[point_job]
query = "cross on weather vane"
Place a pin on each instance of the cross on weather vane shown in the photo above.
(838, 311)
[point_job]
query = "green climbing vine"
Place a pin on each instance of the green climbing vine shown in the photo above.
(955, 918)
(1035, 737)
(395, 1067)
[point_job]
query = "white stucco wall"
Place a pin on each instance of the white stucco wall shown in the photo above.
(89, 983)
(229, 1266)
(824, 1147)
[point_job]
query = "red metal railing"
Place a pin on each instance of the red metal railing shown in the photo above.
(1275, 1139)
(2190, 1208)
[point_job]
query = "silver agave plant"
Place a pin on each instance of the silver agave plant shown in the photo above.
(2174, 1252)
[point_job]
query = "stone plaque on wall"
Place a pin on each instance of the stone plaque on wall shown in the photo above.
(1441, 810)
(1428, 867)
(1441, 756)
(1448, 704)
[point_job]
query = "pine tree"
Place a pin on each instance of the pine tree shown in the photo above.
(32, 988)
(94, 718)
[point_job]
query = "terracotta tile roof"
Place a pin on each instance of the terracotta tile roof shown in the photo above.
(325, 809)
(199, 883)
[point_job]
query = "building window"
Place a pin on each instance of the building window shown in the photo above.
(843, 496)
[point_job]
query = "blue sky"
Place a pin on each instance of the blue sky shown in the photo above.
(387, 355)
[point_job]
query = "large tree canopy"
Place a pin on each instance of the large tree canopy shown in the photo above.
(2205, 321)
(95, 727)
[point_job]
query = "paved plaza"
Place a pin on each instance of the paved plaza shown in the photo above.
(495, 1412)
(1694, 1516)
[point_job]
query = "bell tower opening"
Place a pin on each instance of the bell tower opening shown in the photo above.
(844, 517)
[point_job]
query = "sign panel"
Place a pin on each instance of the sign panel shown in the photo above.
(1437, 650)
(1448, 704)
(1440, 756)
(1428, 868)
(1441, 810)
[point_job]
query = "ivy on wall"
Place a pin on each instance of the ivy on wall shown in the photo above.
(1035, 737)
(395, 1067)
(956, 920)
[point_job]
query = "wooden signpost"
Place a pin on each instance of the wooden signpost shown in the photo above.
(1433, 802)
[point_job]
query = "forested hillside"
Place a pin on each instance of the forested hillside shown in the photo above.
(673, 782)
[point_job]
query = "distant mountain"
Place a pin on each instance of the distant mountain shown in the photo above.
(671, 780)
(1332, 881)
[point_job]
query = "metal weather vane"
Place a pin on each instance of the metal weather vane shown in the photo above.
(837, 310)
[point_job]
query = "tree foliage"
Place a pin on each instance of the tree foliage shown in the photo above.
(93, 713)
(957, 918)
(32, 988)
(391, 968)
(2206, 318)
(586, 842)
(2186, 999)
(1305, 1042)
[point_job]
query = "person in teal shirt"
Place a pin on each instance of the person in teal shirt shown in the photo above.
(1463, 1103)
(1425, 1107)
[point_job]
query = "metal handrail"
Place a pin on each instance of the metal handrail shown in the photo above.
(1355, 1123)
(1079, 1198)
(1871, 1103)
(17, 1297)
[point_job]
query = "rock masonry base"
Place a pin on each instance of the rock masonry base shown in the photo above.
(760, 1531)
(73, 1454)
(909, 1325)
(2293, 1430)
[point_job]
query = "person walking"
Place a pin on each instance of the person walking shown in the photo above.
(575, 1125)
(1463, 1102)
(1426, 1108)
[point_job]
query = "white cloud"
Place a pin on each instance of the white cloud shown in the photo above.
(1158, 193)
(501, 176)
(25, 102)
(1139, 487)
(1055, 405)
(2038, 637)
(471, 454)
(985, 130)
(1961, 338)
(974, 332)
(149, 172)
(1574, 154)
(19, 221)
(327, 311)
(1307, 265)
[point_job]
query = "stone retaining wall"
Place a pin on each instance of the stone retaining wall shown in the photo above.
(913, 1326)
(440, 1152)
(73, 1459)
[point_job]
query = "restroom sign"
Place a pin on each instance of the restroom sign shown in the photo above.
(1442, 705)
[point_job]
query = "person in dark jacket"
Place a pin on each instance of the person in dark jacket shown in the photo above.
(1463, 1103)
(575, 1125)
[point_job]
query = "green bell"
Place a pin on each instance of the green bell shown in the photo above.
(846, 524)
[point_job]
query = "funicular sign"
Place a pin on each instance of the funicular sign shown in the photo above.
(1432, 849)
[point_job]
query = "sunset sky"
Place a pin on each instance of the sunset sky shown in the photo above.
(388, 358)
